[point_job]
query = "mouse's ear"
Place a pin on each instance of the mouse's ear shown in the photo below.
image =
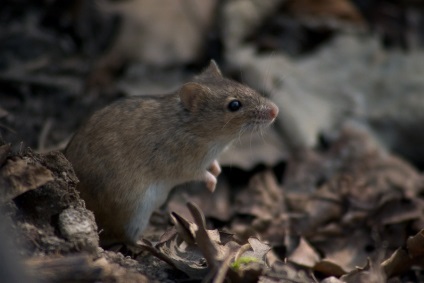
(212, 70)
(190, 95)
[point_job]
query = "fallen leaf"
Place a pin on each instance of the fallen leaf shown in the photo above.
(199, 252)
(286, 272)
(367, 274)
(18, 176)
(347, 251)
(329, 267)
(263, 202)
(259, 249)
(398, 211)
(214, 205)
(334, 9)
(404, 258)
(304, 254)
(415, 245)
(262, 198)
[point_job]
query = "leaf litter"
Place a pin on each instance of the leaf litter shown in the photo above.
(357, 217)
(359, 205)
(349, 220)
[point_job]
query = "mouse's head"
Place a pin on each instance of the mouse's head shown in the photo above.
(223, 108)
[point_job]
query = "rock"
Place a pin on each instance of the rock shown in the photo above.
(79, 227)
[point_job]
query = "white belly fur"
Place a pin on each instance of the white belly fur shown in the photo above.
(154, 196)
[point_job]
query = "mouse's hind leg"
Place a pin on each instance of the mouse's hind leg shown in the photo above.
(144, 203)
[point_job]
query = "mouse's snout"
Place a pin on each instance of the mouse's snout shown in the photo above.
(267, 112)
(273, 111)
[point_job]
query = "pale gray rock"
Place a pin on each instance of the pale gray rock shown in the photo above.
(78, 226)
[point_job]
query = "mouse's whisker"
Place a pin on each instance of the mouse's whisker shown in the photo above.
(227, 123)
(251, 134)
(241, 132)
(261, 133)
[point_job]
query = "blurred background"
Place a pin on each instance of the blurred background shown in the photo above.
(325, 63)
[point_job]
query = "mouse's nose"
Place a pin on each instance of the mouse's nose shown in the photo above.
(273, 110)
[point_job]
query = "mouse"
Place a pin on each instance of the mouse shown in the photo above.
(130, 154)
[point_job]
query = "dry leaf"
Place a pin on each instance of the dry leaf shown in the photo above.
(262, 198)
(304, 254)
(197, 251)
(263, 202)
(342, 9)
(329, 267)
(214, 205)
(18, 176)
(348, 251)
(286, 272)
(367, 274)
(404, 258)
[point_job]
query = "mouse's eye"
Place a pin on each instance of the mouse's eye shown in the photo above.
(234, 105)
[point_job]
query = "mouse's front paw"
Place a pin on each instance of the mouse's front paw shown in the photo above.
(210, 181)
(215, 169)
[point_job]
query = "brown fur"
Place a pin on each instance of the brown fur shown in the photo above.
(131, 153)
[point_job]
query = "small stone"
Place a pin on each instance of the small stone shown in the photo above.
(79, 227)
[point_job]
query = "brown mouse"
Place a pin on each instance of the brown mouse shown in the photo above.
(129, 155)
